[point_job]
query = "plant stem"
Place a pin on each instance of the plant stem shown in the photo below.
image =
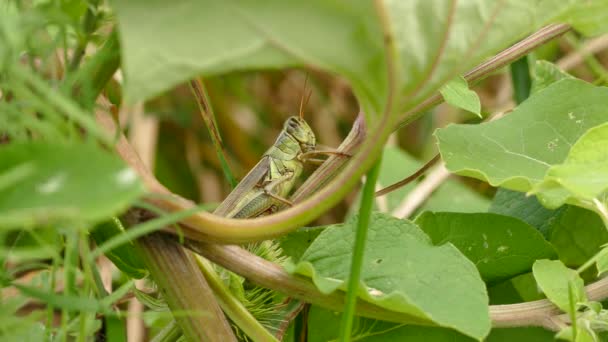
(520, 77)
(192, 302)
(232, 306)
(89, 24)
(365, 210)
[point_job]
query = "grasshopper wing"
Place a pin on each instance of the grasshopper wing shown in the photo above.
(253, 178)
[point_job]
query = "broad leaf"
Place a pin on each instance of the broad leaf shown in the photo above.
(457, 93)
(500, 246)
(296, 243)
(402, 271)
(464, 33)
(324, 325)
(554, 278)
(45, 182)
(577, 235)
(165, 45)
(526, 208)
(584, 173)
(517, 150)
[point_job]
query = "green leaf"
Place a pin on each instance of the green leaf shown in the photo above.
(62, 182)
(402, 271)
(589, 17)
(553, 277)
(544, 74)
(526, 208)
(516, 151)
(323, 326)
(577, 235)
(296, 243)
(500, 246)
(454, 196)
(457, 93)
(584, 173)
(165, 45)
(464, 33)
(125, 256)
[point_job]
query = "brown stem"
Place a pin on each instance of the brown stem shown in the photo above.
(500, 60)
(192, 302)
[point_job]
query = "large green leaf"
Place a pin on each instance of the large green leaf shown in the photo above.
(526, 208)
(500, 246)
(164, 45)
(577, 234)
(402, 271)
(461, 34)
(517, 150)
(584, 173)
(435, 40)
(44, 182)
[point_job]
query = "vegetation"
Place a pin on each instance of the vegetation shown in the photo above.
(124, 125)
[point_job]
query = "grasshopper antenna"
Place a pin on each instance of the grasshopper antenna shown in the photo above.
(303, 103)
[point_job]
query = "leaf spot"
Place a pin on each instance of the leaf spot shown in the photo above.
(551, 145)
(374, 292)
(502, 249)
(571, 116)
(378, 261)
(126, 176)
(52, 185)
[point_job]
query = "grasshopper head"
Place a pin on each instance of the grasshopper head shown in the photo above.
(301, 132)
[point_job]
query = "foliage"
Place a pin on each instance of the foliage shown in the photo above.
(523, 215)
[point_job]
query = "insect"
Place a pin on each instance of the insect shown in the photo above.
(265, 187)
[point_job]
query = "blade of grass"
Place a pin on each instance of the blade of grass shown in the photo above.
(200, 93)
(367, 199)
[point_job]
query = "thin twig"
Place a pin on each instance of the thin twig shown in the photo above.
(409, 178)
(422, 192)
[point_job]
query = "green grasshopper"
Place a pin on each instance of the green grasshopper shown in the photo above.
(266, 186)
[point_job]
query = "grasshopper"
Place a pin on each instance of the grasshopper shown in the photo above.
(265, 187)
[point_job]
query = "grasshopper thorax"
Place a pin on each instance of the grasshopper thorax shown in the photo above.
(299, 130)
